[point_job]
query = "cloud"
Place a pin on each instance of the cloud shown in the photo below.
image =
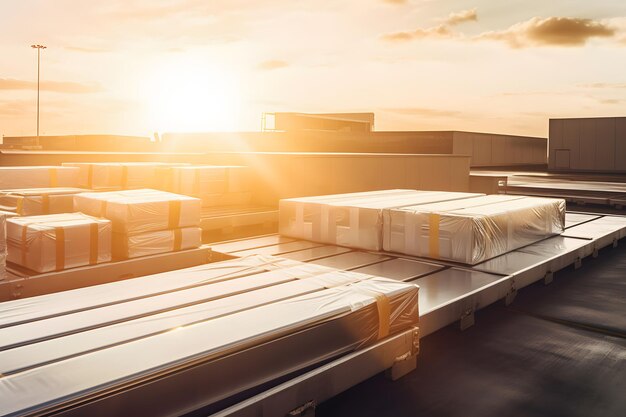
(609, 101)
(461, 17)
(435, 32)
(272, 64)
(603, 85)
(551, 31)
(395, 1)
(441, 31)
(422, 111)
(55, 86)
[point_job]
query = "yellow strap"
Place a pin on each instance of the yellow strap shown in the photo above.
(60, 247)
(178, 239)
(384, 315)
(20, 205)
(433, 235)
(90, 176)
(93, 243)
(53, 177)
(45, 203)
(174, 214)
(124, 176)
(103, 208)
(24, 244)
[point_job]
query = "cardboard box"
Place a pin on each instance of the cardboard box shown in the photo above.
(138, 211)
(353, 221)
(477, 230)
(58, 241)
(214, 185)
(119, 175)
(38, 177)
(151, 243)
(37, 201)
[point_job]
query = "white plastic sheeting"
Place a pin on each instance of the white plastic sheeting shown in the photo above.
(37, 201)
(37, 177)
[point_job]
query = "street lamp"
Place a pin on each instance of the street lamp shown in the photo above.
(38, 48)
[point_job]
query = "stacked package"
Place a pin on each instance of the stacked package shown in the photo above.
(58, 241)
(119, 175)
(473, 230)
(214, 185)
(353, 220)
(240, 325)
(3, 246)
(37, 177)
(37, 201)
(145, 222)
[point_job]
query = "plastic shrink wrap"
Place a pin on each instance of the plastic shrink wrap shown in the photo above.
(151, 243)
(3, 246)
(138, 211)
(58, 241)
(353, 220)
(254, 338)
(119, 175)
(214, 185)
(37, 177)
(37, 201)
(473, 232)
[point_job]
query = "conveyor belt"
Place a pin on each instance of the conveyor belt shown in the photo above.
(450, 292)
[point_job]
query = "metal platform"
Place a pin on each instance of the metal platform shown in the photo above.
(452, 292)
(24, 283)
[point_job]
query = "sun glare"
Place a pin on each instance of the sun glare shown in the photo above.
(191, 97)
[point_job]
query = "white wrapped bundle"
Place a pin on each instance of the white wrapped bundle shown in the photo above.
(214, 185)
(353, 221)
(58, 241)
(151, 243)
(37, 201)
(3, 246)
(37, 177)
(138, 211)
(119, 175)
(473, 232)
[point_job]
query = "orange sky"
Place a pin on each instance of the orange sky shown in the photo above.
(140, 66)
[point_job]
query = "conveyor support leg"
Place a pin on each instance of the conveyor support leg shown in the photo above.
(578, 263)
(595, 252)
(401, 368)
(548, 278)
(467, 320)
(615, 242)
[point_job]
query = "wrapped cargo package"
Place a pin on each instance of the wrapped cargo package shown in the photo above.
(214, 185)
(36, 201)
(118, 175)
(3, 246)
(38, 177)
(353, 221)
(151, 243)
(137, 211)
(206, 361)
(58, 241)
(473, 232)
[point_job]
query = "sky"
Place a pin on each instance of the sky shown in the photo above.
(141, 66)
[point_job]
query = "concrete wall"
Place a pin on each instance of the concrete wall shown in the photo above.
(588, 144)
(494, 150)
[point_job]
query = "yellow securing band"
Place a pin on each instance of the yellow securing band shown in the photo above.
(174, 214)
(20, 205)
(103, 208)
(60, 247)
(178, 239)
(53, 177)
(45, 203)
(384, 315)
(24, 243)
(90, 176)
(93, 243)
(433, 235)
(196, 183)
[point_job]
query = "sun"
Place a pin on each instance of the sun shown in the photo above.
(191, 96)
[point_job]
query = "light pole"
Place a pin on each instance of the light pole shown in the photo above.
(38, 48)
